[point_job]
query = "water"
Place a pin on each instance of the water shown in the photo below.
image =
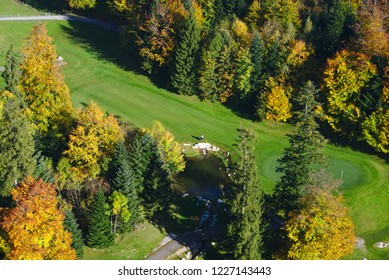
(203, 176)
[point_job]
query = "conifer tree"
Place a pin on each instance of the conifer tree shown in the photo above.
(12, 72)
(16, 144)
(184, 78)
(257, 52)
(245, 230)
(71, 225)
(125, 183)
(306, 149)
(99, 231)
(157, 191)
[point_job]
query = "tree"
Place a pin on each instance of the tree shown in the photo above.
(169, 149)
(81, 4)
(253, 17)
(305, 149)
(34, 226)
(126, 184)
(257, 53)
(119, 208)
(375, 130)
(320, 229)
(284, 11)
(99, 230)
(208, 9)
(45, 91)
(245, 230)
(275, 101)
(242, 75)
(12, 72)
(184, 78)
(16, 143)
(345, 76)
(157, 192)
(71, 225)
(92, 141)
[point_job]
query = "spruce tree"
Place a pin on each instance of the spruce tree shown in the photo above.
(257, 53)
(244, 230)
(71, 225)
(99, 231)
(12, 71)
(157, 191)
(16, 144)
(125, 183)
(305, 149)
(184, 78)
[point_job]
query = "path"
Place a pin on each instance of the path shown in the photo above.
(193, 240)
(63, 17)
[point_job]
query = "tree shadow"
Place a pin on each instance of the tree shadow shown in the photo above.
(46, 5)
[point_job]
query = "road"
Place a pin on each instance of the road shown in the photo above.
(62, 17)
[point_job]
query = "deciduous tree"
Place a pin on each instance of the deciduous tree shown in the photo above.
(34, 227)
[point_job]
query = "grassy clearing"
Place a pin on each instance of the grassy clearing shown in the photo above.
(133, 246)
(14, 8)
(97, 71)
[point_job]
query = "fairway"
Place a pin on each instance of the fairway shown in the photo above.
(96, 71)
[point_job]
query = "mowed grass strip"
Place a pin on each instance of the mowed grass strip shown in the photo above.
(14, 8)
(96, 71)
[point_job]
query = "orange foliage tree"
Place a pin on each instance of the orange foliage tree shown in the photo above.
(34, 228)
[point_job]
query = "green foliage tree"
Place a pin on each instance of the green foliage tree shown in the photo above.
(99, 230)
(184, 78)
(244, 230)
(71, 225)
(257, 53)
(16, 143)
(242, 74)
(284, 11)
(305, 149)
(12, 72)
(119, 208)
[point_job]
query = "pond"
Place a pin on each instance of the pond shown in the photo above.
(203, 176)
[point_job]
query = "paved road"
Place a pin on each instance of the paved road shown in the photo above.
(62, 17)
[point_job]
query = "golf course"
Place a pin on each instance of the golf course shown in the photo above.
(98, 69)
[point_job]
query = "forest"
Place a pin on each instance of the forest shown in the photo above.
(74, 177)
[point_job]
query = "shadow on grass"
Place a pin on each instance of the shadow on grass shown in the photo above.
(46, 5)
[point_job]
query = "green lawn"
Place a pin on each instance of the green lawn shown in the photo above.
(14, 8)
(97, 71)
(136, 245)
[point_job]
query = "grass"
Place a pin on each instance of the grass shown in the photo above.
(14, 8)
(136, 245)
(96, 70)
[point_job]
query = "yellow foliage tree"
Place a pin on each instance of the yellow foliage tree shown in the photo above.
(34, 228)
(321, 229)
(344, 77)
(93, 139)
(169, 149)
(278, 107)
(45, 91)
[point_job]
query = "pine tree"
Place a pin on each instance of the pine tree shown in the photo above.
(71, 225)
(12, 72)
(99, 231)
(306, 149)
(257, 52)
(243, 71)
(16, 144)
(184, 78)
(245, 230)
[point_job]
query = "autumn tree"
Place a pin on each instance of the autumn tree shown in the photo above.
(81, 4)
(169, 149)
(344, 78)
(34, 227)
(99, 228)
(321, 228)
(16, 143)
(119, 208)
(244, 230)
(45, 91)
(92, 141)
(184, 78)
(284, 11)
